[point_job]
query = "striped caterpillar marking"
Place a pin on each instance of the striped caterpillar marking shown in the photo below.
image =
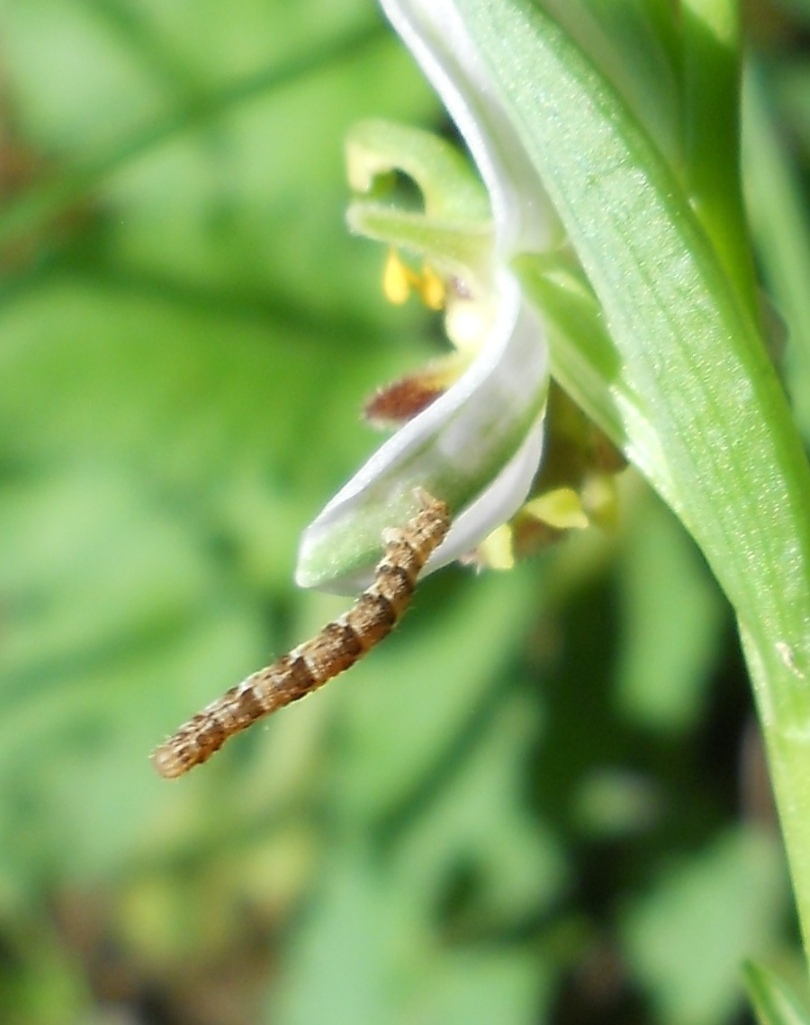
(336, 648)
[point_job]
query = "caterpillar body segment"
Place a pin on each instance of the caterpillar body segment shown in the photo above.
(332, 651)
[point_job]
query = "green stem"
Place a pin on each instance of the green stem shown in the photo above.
(688, 347)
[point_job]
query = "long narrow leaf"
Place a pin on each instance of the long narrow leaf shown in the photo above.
(713, 407)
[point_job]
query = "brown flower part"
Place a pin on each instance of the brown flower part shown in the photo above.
(396, 403)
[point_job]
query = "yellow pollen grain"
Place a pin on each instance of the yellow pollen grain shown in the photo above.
(397, 279)
(431, 289)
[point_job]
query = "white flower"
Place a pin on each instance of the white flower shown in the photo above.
(477, 446)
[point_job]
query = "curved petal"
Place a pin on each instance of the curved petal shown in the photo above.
(476, 447)
(435, 34)
(497, 504)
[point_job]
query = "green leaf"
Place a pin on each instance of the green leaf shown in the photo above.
(773, 1002)
(713, 418)
(781, 227)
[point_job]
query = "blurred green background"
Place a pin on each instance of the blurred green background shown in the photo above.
(544, 799)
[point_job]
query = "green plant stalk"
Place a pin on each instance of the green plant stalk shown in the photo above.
(713, 409)
(773, 1002)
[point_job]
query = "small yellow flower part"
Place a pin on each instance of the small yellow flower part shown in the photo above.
(496, 551)
(399, 280)
(600, 499)
(538, 524)
(396, 279)
(431, 289)
(560, 508)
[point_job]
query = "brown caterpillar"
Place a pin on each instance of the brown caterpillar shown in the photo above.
(336, 648)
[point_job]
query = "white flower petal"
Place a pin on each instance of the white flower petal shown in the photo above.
(499, 503)
(478, 446)
(435, 33)
(473, 447)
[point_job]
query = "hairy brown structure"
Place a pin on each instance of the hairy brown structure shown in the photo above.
(336, 648)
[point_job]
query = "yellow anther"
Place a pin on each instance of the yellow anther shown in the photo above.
(496, 551)
(560, 508)
(397, 279)
(431, 288)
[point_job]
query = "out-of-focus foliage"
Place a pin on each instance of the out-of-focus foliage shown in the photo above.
(773, 1002)
(541, 800)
